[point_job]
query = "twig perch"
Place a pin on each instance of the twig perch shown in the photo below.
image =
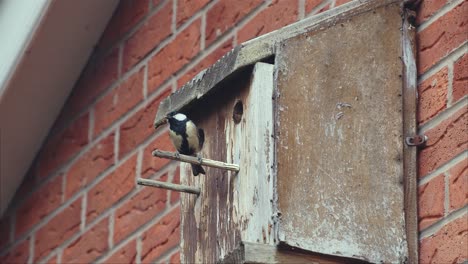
(195, 160)
(170, 186)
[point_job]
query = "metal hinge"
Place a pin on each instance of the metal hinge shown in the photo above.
(416, 141)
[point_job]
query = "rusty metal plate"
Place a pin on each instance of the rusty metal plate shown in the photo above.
(340, 139)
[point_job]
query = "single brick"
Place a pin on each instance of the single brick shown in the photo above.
(148, 37)
(175, 196)
(431, 202)
(125, 17)
(57, 230)
(152, 164)
(118, 102)
(448, 245)
(38, 205)
(126, 254)
(432, 95)
(186, 9)
(95, 79)
(89, 246)
(5, 227)
(90, 165)
(161, 237)
(63, 146)
(140, 209)
(111, 189)
(225, 14)
(445, 141)
(139, 126)
(427, 8)
(19, 254)
(206, 62)
(458, 188)
(276, 15)
(441, 37)
(175, 258)
(341, 2)
(460, 78)
(174, 56)
(311, 4)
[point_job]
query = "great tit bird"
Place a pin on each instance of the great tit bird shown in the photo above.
(186, 137)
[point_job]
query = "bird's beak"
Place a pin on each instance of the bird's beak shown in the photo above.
(161, 122)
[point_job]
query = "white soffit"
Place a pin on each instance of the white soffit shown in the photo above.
(45, 46)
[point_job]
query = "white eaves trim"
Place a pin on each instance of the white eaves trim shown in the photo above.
(45, 46)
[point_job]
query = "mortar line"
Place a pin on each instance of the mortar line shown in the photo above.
(203, 32)
(174, 17)
(83, 211)
(110, 238)
(446, 194)
(59, 256)
(438, 14)
(443, 168)
(450, 85)
(116, 145)
(301, 9)
(434, 228)
(139, 166)
(31, 248)
(138, 249)
(120, 61)
(145, 83)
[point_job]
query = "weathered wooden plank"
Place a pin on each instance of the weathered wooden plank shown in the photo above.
(257, 50)
(263, 253)
(250, 144)
(409, 129)
(340, 139)
(232, 206)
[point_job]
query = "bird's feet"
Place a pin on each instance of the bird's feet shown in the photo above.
(199, 158)
(177, 154)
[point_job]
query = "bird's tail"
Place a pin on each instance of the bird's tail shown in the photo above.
(197, 169)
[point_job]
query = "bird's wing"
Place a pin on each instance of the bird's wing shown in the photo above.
(201, 137)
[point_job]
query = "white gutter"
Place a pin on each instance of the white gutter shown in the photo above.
(45, 46)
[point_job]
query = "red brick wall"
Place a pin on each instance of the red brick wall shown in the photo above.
(443, 117)
(79, 201)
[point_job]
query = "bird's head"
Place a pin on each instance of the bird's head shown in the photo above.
(174, 118)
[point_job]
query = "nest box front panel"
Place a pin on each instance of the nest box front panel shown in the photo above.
(232, 207)
(340, 139)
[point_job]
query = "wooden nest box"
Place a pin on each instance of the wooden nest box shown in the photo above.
(316, 115)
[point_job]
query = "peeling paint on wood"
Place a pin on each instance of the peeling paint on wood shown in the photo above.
(232, 207)
(340, 167)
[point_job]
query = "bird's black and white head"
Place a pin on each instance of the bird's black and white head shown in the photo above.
(176, 119)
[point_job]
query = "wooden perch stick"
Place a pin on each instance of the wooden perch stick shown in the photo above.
(170, 186)
(194, 160)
